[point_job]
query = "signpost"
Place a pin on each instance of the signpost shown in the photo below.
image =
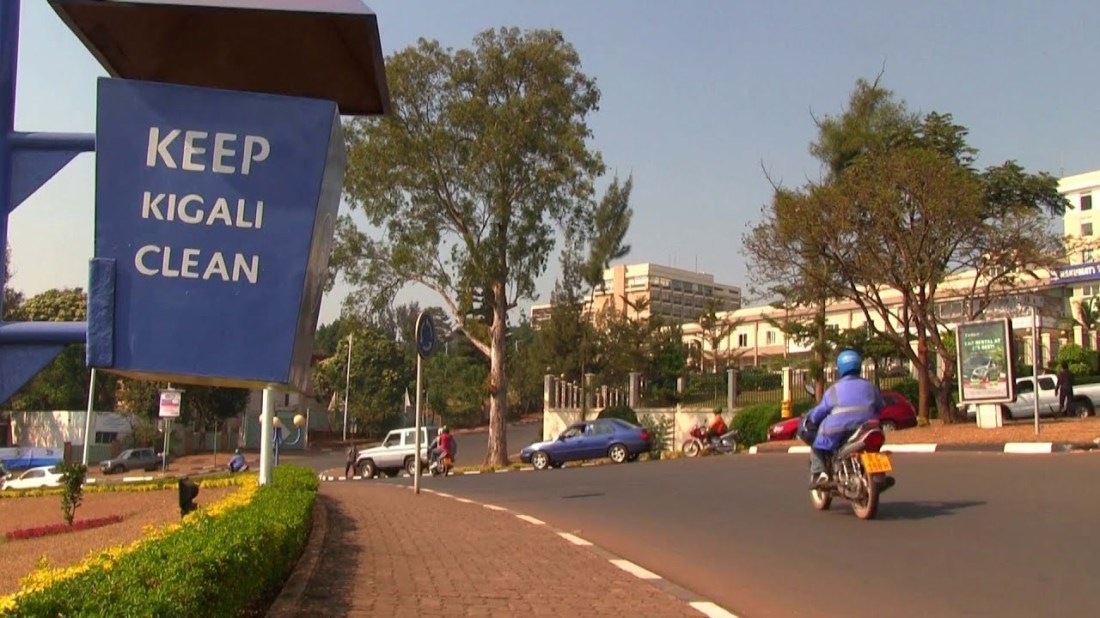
(170, 402)
(217, 184)
(425, 344)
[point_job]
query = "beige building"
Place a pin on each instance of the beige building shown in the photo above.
(757, 339)
(1081, 277)
(650, 290)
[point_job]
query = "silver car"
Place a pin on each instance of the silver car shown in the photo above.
(396, 453)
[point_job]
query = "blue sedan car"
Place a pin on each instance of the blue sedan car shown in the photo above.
(614, 438)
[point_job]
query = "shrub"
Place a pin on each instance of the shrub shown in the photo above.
(72, 489)
(752, 422)
(219, 561)
(1082, 362)
(625, 413)
(660, 429)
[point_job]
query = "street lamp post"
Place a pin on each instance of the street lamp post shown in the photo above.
(347, 388)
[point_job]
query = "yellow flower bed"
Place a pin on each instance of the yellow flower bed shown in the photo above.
(44, 576)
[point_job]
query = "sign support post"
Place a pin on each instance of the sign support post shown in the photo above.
(266, 436)
(170, 403)
(1036, 348)
(425, 343)
(88, 419)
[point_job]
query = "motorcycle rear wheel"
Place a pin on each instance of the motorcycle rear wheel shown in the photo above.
(869, 507)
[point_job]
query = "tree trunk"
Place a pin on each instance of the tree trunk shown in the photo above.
(497, 452)
(922, 378)
(819, 352)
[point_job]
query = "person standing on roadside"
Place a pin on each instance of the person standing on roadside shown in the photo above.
(1064, 388)
(350, 463)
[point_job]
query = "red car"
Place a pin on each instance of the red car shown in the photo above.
(898, 414)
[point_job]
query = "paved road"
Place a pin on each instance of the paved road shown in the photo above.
(473, 446)
(960, 535)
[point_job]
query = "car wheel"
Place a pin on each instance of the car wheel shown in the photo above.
(889, 426)
(1084, 408)
(410, 465)
(119, 468)
(540, 460)
(366, 469)
(617, 453)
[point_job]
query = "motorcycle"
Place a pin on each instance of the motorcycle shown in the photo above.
(858, 473)
(698, 443)
(441, 466)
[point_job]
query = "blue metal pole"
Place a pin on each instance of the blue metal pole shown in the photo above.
(9, 63)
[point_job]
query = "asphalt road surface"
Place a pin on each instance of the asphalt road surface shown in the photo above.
(473, 446)
(959, 535)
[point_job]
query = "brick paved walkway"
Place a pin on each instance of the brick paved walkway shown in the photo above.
(387, 552)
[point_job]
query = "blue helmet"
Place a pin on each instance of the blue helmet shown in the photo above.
(848, 362)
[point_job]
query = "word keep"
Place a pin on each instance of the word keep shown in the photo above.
(226, 154)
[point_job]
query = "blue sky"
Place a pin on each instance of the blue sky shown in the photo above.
(697, 97)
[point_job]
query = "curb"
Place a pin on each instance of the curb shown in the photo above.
(703, 606)
(1014, 448)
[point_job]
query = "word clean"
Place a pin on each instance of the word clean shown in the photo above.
(193, 264)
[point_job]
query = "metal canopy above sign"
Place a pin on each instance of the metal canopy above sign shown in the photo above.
(323, 49)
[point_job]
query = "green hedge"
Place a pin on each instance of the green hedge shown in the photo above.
(625, 413)
(219, 565)
(752, 422)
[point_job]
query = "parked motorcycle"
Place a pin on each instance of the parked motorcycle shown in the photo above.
(858, 472)
(699, 444)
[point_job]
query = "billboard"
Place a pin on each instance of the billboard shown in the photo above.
(214, 220)
(984, 353)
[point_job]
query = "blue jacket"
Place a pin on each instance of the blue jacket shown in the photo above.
(847, 404)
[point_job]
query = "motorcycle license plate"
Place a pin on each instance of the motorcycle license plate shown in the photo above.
(875, 463)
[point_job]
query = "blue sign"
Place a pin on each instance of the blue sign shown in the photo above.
(425, 335)
(1076, 272)
(214, 221)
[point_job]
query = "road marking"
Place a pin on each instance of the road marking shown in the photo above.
(910, 448)
(634, 569)
(526, 469)
(439, 493)
(711, 610)
(465, 500)
(494, 507)
(136, 479)
(798, 449)
(529, 519)
(752, 450)
(1029, 447)
(576, 540)
(472, 472)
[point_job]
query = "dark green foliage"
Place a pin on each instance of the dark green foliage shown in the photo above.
(753, 379)
(1082, 362)
(660, 428)
(752, 422)
(625, 413)
(72, 489)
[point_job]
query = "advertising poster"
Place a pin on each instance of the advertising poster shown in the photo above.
(985, 355)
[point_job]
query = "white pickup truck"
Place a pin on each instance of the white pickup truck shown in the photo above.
(1085, 398)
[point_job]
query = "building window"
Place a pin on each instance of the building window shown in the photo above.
(105, 437)
(1086, 229)
(1086, 255)
(743, 340)
(1086, 202)
(769, 337)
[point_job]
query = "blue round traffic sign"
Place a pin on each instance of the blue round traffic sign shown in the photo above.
(425, 335)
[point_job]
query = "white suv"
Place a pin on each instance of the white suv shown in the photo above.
(395, 453)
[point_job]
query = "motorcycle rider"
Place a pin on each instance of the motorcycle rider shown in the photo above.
(847, 404)
(443, 445)
(717, 427)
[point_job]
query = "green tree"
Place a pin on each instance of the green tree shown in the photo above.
(379, 375)
(715, 330)
(12, 298)
(907, 214)
(485, 152)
